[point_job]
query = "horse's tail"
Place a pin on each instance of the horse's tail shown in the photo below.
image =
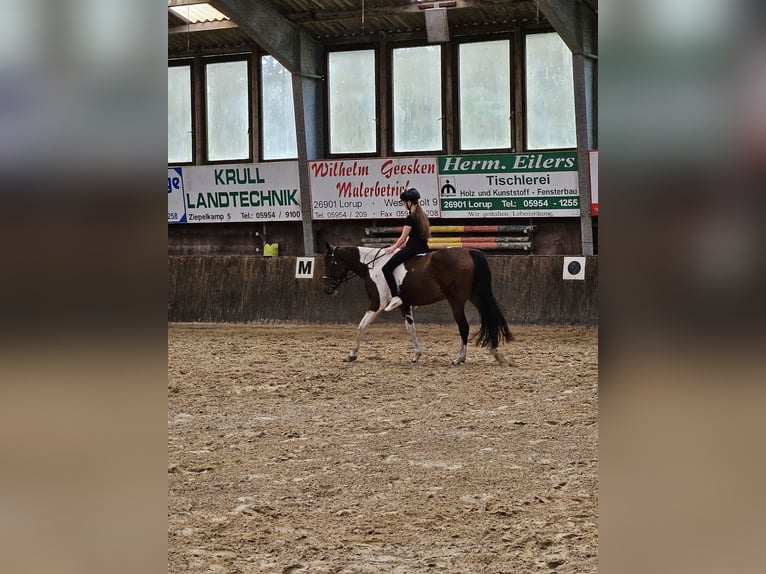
(493, 324)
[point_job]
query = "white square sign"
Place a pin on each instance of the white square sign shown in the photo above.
(304, 267)
(574, 268)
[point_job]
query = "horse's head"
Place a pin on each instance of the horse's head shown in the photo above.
(337, 270)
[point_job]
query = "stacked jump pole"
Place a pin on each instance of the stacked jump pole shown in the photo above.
(485, 237)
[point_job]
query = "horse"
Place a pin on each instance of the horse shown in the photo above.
(456, 274)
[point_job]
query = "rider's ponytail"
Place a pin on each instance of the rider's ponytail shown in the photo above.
(424, 224)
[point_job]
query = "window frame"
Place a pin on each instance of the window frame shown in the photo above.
(525, 134)
(513, 71)
(445, 119)
(242, 57)
(179, 63)
(256, 91)
(378, 103)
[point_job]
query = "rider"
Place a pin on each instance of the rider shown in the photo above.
(413, 240)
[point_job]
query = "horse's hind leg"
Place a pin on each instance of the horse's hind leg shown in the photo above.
(409, 321)
(366, 321)
(458, 312)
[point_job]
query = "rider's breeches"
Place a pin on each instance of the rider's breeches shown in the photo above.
(388, 268)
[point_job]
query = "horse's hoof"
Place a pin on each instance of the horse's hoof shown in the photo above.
(351, 358)
(458, 361)
(500, 358)
(415, 358)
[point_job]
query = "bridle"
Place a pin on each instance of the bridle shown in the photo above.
(337, 282)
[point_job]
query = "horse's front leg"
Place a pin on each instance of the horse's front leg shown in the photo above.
(366, 321)
(409, 321)
(460, 354)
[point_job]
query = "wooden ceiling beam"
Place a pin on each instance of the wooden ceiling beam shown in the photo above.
(574, 22)
(306, 17)
(292, 46)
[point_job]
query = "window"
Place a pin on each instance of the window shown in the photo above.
(352, 106)
(228, 111)
(179, 115)
(485, 95)
(278, 111)
(550, 93)
(417, 99)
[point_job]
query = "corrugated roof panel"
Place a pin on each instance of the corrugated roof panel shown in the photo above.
(196, 13)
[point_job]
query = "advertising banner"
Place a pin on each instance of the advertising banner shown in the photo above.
(238, 192)
(370, 189)
(532, 184)
(176, 204)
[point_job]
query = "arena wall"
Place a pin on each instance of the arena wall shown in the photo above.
(529, 289)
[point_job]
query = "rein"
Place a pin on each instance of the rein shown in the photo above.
(335, 283)
(377, 256)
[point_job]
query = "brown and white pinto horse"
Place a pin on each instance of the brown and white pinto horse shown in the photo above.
(456, 274)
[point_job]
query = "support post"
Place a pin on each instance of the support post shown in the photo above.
(577, 26)
(304, 112)
(583, 127)
(301, 55)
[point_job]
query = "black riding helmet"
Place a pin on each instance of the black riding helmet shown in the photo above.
(410, 194)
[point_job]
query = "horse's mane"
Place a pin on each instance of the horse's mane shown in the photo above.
(371, 254)
(361, 259)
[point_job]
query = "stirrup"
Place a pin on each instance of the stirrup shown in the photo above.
(393, 304)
